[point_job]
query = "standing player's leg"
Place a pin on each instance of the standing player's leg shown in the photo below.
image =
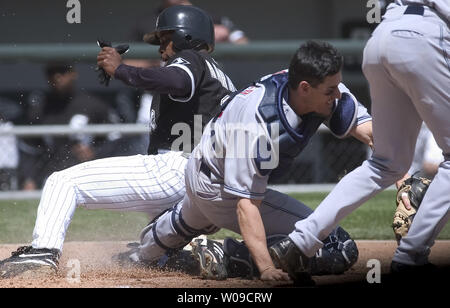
(426, 79)
(396, 125)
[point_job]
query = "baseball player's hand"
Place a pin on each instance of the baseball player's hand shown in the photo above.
(274, 274)
(405, 201)
(404, 196)
(109, 59)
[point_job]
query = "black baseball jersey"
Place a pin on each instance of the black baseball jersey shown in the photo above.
(195, 88)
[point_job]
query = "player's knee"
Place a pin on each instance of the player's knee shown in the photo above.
(389, 171)
(54, 178)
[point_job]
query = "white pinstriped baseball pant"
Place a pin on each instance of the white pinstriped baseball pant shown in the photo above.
(142, 183)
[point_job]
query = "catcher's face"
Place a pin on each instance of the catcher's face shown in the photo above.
(320, 99)
(166, 48)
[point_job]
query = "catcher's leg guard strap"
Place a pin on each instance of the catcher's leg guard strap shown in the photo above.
(195, 232)
(166, 233)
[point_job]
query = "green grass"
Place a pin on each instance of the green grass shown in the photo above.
(17, 220)
(371, 221)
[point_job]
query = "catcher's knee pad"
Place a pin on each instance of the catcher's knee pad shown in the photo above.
(337, 255)
(238, 259)
(169, 231)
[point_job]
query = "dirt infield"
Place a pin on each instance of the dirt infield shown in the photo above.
(98, 271)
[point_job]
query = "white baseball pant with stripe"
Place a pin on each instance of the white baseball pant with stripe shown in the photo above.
(142, 183)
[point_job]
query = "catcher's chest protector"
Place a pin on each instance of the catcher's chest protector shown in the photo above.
(290, 141)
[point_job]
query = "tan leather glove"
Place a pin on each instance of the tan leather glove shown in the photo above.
(416, 188)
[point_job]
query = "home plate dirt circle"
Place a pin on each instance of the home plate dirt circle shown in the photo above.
(90, 265)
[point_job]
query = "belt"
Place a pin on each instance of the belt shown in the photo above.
(205, 169)
(415, 9)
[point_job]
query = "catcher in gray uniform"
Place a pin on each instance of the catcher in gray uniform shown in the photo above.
(257, 135)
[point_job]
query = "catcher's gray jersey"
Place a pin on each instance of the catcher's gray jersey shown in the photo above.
(234, 160)
(240, 150)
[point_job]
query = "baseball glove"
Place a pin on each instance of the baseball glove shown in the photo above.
(103, 77)
(415, 188)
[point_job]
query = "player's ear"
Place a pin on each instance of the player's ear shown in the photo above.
(303, 87)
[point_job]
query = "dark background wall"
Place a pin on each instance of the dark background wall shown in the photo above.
(23, 21)
(44, 21)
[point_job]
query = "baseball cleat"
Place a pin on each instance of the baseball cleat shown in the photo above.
(131, 258)
(128, 258)
(210, 256)
(30, 262)
(289, 258)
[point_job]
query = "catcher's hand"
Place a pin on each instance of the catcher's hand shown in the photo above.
(103, 77)
(415, 189)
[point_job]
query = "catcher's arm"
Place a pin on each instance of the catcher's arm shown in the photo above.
(252, 230)
(363, 133)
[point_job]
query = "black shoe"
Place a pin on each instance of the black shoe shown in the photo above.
(289, 258)
(211, 259)
(131, 258)
(174, 260)
(30, 262)
(128, 258)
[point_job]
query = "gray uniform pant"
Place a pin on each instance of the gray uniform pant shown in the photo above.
(206, 207)
(407, 65)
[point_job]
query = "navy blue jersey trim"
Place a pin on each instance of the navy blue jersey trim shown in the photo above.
(245, 192)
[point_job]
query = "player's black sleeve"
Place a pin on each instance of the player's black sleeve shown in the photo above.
(163, 80)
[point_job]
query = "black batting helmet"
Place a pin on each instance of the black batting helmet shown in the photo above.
(192, 28)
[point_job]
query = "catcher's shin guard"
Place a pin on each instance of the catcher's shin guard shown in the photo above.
(166, 233)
